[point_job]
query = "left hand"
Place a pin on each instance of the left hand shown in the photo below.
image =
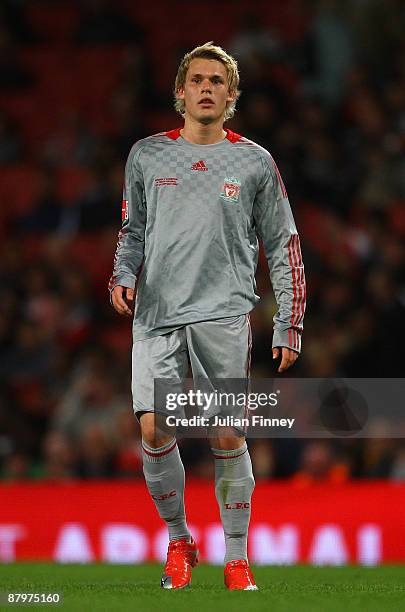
(288, 357)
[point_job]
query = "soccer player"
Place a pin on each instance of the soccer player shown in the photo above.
(195, 200)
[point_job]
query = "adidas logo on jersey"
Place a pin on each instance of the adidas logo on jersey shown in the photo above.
(200, 165)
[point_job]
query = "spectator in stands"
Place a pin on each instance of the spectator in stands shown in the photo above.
(73, 142)
(320, 464)
(16, 466)
(13, 18)
(262, 452)
(10, 140)
(48, 213)
(13, 74)
(102, 22)
(58, 457)
(127, 444)
(95, 457)
(91, 399)
(398, 466)
(252, 39)
(97, 206)
(339, 142)
(332, 41)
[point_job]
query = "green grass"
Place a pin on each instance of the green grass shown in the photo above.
(136, 588)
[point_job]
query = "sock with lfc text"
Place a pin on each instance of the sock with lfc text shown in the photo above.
(164, 475)
(234, 484)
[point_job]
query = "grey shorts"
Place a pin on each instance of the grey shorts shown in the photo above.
(218, 349)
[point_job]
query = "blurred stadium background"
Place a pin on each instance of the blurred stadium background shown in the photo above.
(323, 85)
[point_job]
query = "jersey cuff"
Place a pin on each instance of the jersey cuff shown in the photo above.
(125, 280)
(290, 338)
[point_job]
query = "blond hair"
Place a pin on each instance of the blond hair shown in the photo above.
(211, 52)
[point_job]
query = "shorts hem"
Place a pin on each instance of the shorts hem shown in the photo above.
(136, 409)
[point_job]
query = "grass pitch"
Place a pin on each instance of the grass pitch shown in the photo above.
(117, 588)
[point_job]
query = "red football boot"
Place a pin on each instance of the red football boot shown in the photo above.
(238, 576)
(181, 557)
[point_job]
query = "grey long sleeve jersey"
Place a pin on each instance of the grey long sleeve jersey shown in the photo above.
(191, 218)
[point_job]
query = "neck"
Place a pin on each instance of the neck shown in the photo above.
(198, 133)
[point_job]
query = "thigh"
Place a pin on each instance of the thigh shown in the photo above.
(220, 360)
(156, 358)
(220, 348)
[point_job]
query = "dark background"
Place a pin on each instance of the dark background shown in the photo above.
(323, 87)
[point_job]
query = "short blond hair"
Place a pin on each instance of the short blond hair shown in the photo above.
(211, 52)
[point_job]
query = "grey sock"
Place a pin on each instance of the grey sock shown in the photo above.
(234, 484)
(164, 475)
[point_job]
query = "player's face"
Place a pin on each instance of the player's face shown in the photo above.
(205, 91)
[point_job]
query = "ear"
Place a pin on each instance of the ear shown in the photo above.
(180, 93)
(231, 96)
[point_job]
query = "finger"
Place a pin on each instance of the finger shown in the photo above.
(119, 307)
(119, 303)
(289, 357)
(276, 353)
(285, 359)
(283, 365)
(129, 294)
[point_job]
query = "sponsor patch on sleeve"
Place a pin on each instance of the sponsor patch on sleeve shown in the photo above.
(124, 210)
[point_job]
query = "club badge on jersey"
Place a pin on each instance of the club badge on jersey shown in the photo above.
(231, 190)
(124, 211)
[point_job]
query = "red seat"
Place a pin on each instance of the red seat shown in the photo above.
(19, 185)
(397, 217)
(54, 21)
(72, 182)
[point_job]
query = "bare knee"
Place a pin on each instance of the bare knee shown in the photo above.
(153, 429)
(226, 439)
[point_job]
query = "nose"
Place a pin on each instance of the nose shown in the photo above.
(206, 86)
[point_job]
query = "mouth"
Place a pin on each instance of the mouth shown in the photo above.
(206, 102)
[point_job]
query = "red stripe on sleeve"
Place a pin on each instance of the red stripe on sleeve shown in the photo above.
(280, 180)
(301, 280)
(294, 279)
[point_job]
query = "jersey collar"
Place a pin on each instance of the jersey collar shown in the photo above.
(231, 136)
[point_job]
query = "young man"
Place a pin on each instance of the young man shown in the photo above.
(195, 200)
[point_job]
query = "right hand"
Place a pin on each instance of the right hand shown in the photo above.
(122, 298)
